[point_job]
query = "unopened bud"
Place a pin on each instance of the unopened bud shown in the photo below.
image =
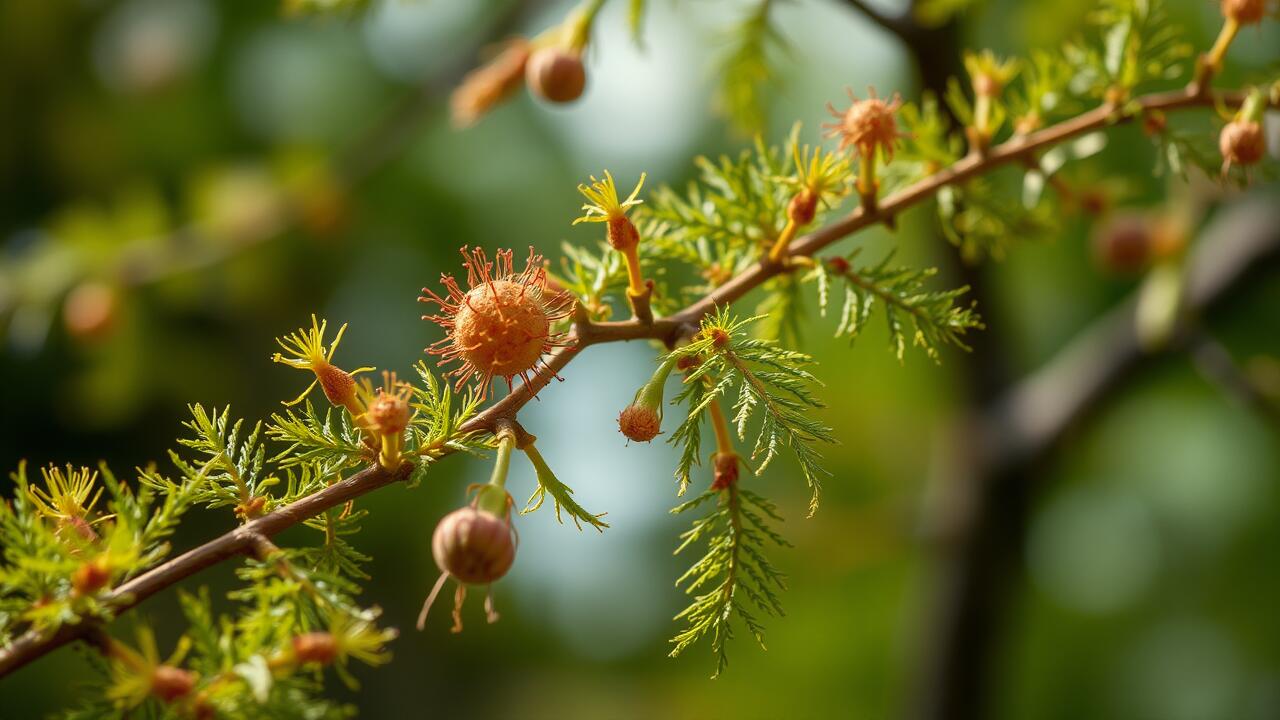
(556, 74)
(1126, 244)
(169, 683)
(803, 207)
(473, 546)
(90, 577)
(315, 647)
(1244, 12)
(639, 423)
(726, 470)
(1241, 143)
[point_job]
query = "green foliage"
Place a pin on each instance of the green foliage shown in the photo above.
(745, 70)
(229, 472)
(982, 220)
(561, 495)
(900, 292)
(732, 579)
(773, 401)
(56, 539)
(1138, 45)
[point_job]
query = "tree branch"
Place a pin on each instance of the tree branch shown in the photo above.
(33, 645)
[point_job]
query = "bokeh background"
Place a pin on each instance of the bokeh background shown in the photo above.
(185, 164)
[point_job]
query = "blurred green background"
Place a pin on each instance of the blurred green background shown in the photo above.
(149, 148)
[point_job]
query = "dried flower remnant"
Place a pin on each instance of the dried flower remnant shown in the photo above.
(501, 326)
(490, 84)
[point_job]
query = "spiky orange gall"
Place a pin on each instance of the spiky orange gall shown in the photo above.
(867, 124)
(501, 326)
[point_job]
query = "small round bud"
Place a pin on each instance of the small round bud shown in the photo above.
(556, 74)
(315, 647)
(473, 546)
(169, 683)
(90, 577)
(1241, 143)
(388, 414)
(987, 85)
(726, 470)
(839, 265)
(1244, 12)
(803, 207)
(639, 423)
(1126, 244)
(1154, 123)
(719, 337)
(687, 363)
(90, 310)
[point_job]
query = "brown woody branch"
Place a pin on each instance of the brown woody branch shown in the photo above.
(246, 538)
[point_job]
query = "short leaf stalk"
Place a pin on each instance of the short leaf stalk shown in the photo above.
(492, 497)
(1211, 61)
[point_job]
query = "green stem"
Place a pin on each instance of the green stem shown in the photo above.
(492, 498)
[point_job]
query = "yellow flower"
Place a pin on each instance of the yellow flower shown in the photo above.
(67, 498)
(602, 197)
(824, 175)
(989, 73)
(305, 350)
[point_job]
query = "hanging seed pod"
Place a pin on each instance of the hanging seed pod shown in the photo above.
(556, 74)
(474, 546)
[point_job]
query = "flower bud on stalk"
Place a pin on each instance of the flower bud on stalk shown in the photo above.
(387, 416)
(320, 648)
(726, 466)
(1242, 141)
(556, 74)
(169, 683)
(642, 419)
(476, 545)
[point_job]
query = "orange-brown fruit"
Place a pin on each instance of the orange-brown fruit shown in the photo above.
(1126, 244)
(90, 577)
(501, 326)
(639, 423)
(169, 683)
(90, 310)
(1241, 143)
(556, 74)
(315, 647)
(867, 124)
(1245, 12)
(474, 546)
